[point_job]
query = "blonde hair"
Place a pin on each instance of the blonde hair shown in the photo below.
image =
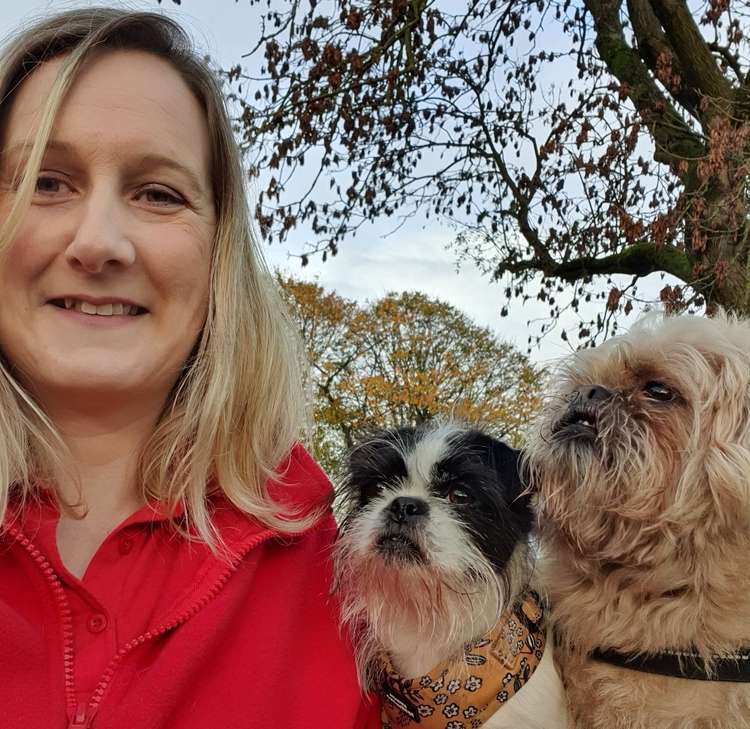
(238, 408)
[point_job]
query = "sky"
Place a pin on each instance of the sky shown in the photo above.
(378, 261)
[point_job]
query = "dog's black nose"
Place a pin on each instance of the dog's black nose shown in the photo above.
(592, 394)
(406, 508)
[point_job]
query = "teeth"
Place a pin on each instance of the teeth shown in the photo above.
(103, 309)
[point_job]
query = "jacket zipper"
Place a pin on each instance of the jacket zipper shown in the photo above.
(67, 618)
(83, 714)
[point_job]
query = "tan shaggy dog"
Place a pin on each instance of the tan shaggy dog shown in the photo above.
(641, 461)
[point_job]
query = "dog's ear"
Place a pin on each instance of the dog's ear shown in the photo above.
(506, 461)
(510, 468)
(725, 461)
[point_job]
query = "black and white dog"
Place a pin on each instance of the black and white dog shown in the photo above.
(433, 565)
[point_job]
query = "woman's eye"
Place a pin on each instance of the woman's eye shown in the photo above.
(49, 185)
(460, 496)
(161, 197)
(658, 391)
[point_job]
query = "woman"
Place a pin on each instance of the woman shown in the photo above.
(164, 552)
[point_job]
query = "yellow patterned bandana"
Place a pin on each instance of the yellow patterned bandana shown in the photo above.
(464, 693)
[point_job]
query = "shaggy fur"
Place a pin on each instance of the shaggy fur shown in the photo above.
(420, 590)
(642, 465)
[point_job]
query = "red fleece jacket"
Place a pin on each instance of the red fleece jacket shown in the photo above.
(161, 634)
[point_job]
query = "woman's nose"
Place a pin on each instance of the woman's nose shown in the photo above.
(100, 241)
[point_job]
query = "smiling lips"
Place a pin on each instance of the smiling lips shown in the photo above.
(110, 308)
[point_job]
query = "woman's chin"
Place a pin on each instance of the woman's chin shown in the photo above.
(85, 387)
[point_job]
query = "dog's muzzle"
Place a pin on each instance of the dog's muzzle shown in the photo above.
(581, 419)
(404, 519)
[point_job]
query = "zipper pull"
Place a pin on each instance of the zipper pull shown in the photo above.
(80, 719)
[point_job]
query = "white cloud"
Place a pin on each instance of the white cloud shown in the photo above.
(418, 260)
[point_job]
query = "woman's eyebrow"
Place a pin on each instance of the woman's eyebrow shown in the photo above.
(160, 161)
(53, 145)
(148, 161)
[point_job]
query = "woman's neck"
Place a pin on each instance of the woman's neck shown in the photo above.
(103, 447)
(102, 483)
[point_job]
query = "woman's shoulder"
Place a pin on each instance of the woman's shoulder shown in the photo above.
(301, 489)
(301, 483)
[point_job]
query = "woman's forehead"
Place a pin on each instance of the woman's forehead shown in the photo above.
(121, 102)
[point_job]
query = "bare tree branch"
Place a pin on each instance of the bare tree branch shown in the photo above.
(674, 139)
(695, 56)
(654, 49)
(636, 260)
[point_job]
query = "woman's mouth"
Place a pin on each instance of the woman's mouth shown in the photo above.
(113, 308)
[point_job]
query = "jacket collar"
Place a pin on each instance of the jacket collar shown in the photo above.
(300, 489)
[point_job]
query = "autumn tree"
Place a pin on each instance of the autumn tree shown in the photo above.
(568, 141)
(403, 360)
(326, 322)
(422, 357)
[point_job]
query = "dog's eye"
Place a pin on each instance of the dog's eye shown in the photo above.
(658, 391)
(371, 491)
(460, 496)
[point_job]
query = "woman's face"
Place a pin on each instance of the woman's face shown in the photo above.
(104, 289)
